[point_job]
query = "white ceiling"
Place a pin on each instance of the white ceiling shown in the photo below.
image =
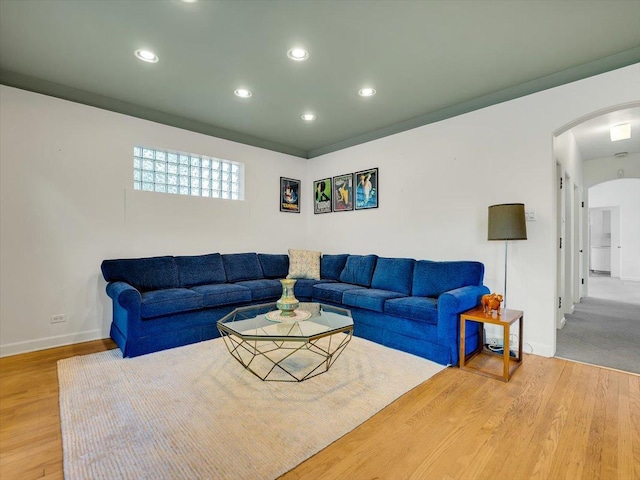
(428, 60)
(593, 138)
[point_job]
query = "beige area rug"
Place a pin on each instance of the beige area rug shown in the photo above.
(195, 412)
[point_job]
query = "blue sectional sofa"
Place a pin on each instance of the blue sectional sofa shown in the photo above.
(411, 305)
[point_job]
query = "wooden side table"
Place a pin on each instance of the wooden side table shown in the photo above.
(505, 320)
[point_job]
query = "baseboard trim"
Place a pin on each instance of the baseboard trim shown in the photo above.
(630, 279)
(598, 366)
(561, 323)
(540, 349)
(49, 342)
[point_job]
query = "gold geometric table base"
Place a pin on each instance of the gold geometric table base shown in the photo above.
(287, 359)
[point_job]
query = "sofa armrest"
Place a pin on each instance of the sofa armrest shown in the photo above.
(127, 302)
(461, 299)
(451, 304)
(123, 293)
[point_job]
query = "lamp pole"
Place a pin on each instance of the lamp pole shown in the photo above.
(504, 300)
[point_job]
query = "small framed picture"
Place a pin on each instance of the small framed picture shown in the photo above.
(322, 196)
(343, 193)
(366, 189)
(289, 195)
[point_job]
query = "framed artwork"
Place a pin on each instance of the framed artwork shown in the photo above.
(289, 195)
(342, 195)
(366, 189)
(322, 196)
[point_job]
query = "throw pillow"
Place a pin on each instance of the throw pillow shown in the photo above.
(304, 264)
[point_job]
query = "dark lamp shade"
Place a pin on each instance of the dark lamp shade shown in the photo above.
(507, 222)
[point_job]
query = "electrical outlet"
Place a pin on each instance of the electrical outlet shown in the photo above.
(530, 216)
(61, 318)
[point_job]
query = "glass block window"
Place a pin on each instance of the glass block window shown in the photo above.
(186, 174)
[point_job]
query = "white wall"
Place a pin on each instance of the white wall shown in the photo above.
(568, 155)
(623, 193)
(65, 170)
(604, 169)
(437, 181)
(67, 203)
(570, 168)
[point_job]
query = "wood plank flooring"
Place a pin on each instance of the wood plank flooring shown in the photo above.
(30, 438)
(554, 420)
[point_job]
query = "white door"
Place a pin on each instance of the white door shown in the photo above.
(560, 267)
(615, 242)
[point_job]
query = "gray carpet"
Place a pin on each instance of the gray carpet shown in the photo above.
(602, 332)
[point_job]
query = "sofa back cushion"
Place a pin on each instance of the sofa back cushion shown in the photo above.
(200, 270)
(430, 279)
(242, 266)
(145, 274)
(274, 266)
(394, 274)
(331, 266)
(358, 270)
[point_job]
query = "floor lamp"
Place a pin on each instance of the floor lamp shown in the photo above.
(507, 222)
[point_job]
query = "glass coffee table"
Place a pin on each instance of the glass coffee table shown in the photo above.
(285, 349)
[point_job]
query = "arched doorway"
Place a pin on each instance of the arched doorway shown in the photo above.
(592, 168)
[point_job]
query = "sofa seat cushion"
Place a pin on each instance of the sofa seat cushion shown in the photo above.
(332, 292)
(223, 294)
(168, 301)
(417, 308)
(304, 287)
(263, 289)
(369, 298)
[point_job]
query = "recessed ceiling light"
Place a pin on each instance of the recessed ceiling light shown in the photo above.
(243, 93)
(367, 92)
(308, 117)
(189, 1)
(146, 55)
(620, 132)
(298, 54)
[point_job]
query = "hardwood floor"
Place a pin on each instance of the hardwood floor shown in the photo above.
(554, 420)
(30, 439)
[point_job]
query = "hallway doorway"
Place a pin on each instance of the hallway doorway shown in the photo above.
(604, 328)
(598, 315)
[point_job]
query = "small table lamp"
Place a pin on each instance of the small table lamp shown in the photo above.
(507, 222)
